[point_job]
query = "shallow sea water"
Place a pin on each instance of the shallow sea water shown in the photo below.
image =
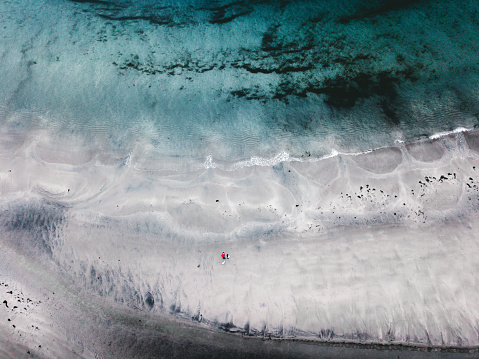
(239, 79)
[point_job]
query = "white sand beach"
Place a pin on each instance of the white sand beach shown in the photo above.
(380, 247)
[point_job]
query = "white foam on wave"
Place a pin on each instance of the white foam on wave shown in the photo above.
(333, 153)
(282, 156)
(209, 162)
(259, 161)
(447, 133)
(128, 159)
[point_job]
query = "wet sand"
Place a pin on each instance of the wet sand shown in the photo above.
(360, 251)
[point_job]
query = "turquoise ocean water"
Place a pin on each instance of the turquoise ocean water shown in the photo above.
(234, 80)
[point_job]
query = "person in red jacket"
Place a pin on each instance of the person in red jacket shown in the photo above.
(223, 255)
